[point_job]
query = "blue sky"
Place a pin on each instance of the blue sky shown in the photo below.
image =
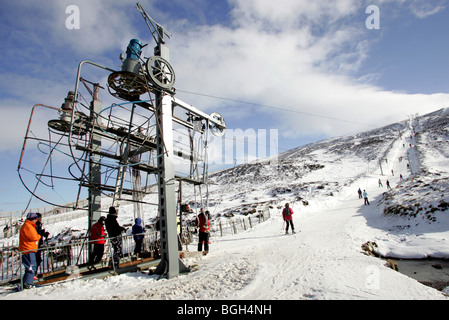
(310, 69)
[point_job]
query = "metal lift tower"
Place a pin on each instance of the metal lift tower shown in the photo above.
(103, 141)
(170, 263)
(162, 77)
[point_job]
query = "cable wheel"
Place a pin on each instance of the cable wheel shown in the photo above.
(78, 127)
(160, 73)
(218, 130)
(127, 85)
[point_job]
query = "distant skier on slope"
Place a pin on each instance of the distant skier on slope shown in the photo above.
(365, 196)
(287, 214)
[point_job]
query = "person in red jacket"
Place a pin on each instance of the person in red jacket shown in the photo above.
(287, 214)
(97, 238)
(28, 244)
(202, 222)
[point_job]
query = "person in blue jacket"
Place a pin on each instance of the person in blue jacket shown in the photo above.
(138, 235)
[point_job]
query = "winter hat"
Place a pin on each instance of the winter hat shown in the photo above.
(32, 216)
(112, 211)
(138, 221)
(102, 219)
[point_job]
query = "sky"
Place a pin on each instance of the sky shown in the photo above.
(307, 70)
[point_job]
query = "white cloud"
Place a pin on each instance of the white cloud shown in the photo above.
(294, 54)
(419, 8)
(104, 25)
(298, 55)
(424, 10)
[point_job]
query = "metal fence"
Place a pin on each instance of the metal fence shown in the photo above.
(11, 226)
(222, 227)
(57, 258)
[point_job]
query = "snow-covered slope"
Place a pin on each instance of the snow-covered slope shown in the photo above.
(323, 260)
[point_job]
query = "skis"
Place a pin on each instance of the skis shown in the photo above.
(17, 288)
(10, 289)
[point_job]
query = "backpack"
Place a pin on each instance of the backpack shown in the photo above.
(286, 211)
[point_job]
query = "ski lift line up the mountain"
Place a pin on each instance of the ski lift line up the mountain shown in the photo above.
(276, 108)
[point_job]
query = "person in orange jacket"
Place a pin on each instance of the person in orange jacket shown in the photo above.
(28, 244)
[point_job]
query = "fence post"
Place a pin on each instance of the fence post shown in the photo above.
(20, 267)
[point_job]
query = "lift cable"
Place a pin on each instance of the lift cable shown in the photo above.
(272, 107)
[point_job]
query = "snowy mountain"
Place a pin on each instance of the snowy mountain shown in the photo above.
(324, 259)
(323, 169)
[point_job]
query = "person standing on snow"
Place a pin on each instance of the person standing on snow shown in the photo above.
(202, 222)
(138, 235)
(115, 235)
(287, 214)
(360, 193)
(365, 196)
(44, 234)
(28, 244)
(97, 238)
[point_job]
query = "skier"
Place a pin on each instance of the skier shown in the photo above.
(138, 235)
(365, 196)
(115, 235)
(28, 244)
(202, 222)
(380, 183)
(360, 193)
(97, 237)
(388, 185)
(288, 218)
